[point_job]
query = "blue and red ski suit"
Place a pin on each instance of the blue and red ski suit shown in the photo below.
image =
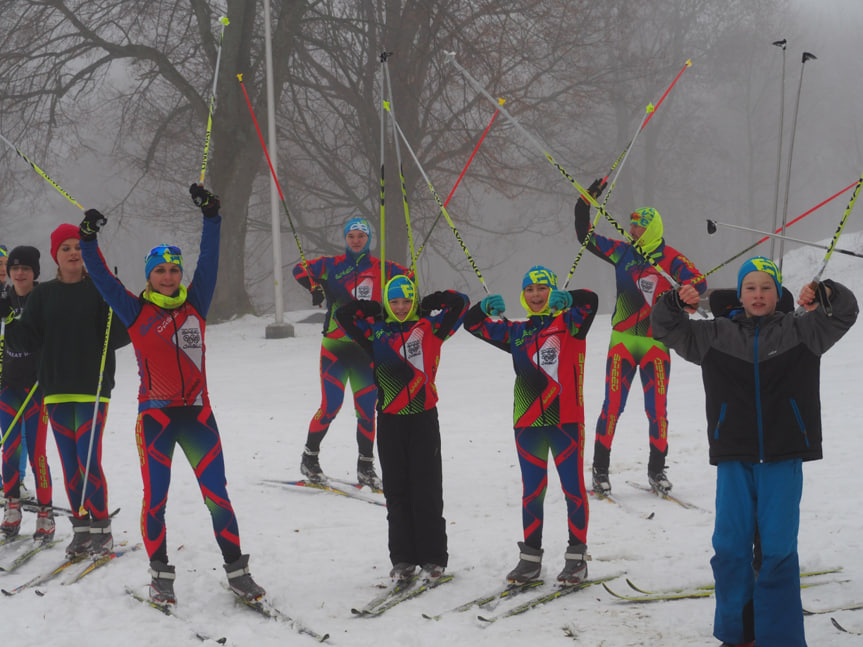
(548, 354)
(173, 403)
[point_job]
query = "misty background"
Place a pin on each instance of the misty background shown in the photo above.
(111, 101)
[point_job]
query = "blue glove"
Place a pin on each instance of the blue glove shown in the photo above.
(492, 305)
(559, 300)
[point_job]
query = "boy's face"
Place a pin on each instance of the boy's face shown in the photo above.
(401, 307)
(758, 294)
(356, 240)
(536, 296)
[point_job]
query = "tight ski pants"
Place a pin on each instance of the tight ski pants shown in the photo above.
(343, 360)
(29, 436)
(766, 494)
(566, 443)
(194, 429)
(626, 353)
(72, 423)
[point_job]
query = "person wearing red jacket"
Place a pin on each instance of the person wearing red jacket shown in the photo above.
(167, 322)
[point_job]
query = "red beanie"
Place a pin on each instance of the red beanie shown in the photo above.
(63, 232)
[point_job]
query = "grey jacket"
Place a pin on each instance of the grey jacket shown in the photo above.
(761, 375)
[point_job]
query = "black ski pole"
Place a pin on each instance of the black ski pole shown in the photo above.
(782, 44)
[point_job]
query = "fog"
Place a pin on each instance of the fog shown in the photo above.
(719, 144)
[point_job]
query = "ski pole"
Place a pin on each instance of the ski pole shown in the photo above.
(389, 107)
(383, 213)
(650, 110)
(2, 351)
(81, 509)
(580, 189)
(224, 21)
(712, 224)
(832, 246)
(463, 171)
(806, 56)
(42, 173)
(272, 170)
(21, 410)
(441, 205)
(782, 44)
(755, 244)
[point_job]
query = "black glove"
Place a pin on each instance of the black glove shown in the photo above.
(318, 295)
(207, 201)
(823, 298)
(6, 313)
(369, 308)
(433, 301)
(597, 187)
(92, 223)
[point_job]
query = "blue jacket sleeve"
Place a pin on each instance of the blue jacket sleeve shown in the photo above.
(125, 304)
(203, 285)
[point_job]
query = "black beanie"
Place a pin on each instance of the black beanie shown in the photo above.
(24, 255)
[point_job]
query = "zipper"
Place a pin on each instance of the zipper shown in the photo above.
(179, 362)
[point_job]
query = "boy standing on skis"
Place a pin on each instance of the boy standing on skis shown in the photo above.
(548, 355)
(404, 342)
(761, 380)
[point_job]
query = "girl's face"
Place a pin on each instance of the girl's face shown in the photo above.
(69, 260)
(165, 278)
(3, 261)
(758, 294)
(356, 240)
(22, 278)
(536, 296)
(401, 307)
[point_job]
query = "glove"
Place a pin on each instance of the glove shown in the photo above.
(317, 295)
(559, 300)
(433, 301)
(492, 305)
(92, 223)
(207, 201)
(596, 188)
(369, 308)
(823, 298)
(6, 313)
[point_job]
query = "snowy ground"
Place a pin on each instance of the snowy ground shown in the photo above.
(318, 555)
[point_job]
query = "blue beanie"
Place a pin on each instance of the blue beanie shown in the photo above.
(400, 287)
(760, 264)
(359, 224)
(539, 275)
(162, 254)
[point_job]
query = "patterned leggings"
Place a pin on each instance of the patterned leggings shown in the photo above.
(194, 429)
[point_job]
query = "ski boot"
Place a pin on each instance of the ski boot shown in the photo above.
(432, 572)
(529, 565)
(366, 474)
(310, 467)
(403, 571)
(11, 525)
(659, 482)
(101, 539)
(80, 545)
(241, 582)
(162, 583)
(575, 567)
(44, 524)
(601, 484)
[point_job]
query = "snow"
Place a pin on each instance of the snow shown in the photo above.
(318, 554)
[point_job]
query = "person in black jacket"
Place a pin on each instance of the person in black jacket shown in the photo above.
(761, 380)
(72, 328)
(30, 431)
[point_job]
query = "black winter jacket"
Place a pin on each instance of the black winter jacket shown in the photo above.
(761, 375)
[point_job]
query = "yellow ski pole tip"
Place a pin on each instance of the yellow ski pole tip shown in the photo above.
(82, 511)
(689, 62)
(224, 20)
(240, 78)
(501, 101)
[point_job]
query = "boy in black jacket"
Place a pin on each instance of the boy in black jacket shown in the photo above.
(761, 380)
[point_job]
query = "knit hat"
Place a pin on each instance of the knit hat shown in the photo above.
(649, 218)
(162, 254)
(25, 255)
(359, 224)
(539, 275)
(400, 287)
(760, 264)
(62, 233)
